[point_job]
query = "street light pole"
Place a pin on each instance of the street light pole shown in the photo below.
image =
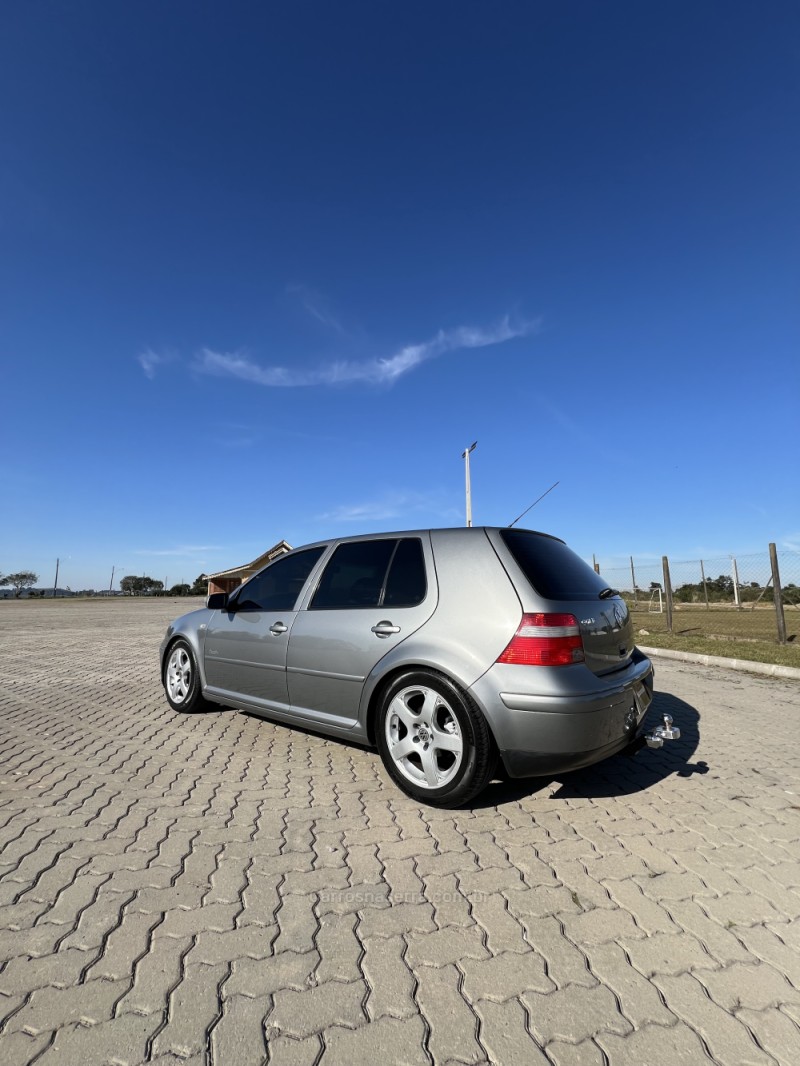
(465, 456)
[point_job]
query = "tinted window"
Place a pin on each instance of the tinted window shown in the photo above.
(553, 569)
(406, 584)
(277, 587)
(354, 577)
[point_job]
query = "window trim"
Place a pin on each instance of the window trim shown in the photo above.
(380, 604)
(282, 559)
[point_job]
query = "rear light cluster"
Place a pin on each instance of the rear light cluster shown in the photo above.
(545, 640)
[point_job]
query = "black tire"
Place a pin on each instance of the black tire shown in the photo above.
(433, 739)
(181, 680)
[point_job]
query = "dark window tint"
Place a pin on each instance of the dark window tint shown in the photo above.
(354, 577)
(553, 569)
(406, 584)
(277, 587)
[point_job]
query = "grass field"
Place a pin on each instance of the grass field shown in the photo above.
(721, 630)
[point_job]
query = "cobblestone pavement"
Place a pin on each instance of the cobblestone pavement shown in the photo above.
(217, 889)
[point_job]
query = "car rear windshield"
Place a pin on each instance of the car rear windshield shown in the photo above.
(553, 569)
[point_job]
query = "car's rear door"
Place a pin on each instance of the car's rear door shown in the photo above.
(373, 593)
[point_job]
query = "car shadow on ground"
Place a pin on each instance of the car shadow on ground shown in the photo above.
(621, 775)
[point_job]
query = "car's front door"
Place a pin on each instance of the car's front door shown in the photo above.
(372, 595)
(245, 645)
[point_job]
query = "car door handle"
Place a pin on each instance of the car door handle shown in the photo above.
(277, 628)
(385, 629)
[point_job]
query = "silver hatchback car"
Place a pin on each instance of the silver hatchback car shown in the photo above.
(446, 648)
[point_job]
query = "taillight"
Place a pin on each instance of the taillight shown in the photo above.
(545, 640)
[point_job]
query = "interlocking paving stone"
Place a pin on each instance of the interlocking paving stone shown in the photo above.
(315, 1009)
(18, 1049)
(453, 1024)
(391, 982)
(211, 889)
(238, 1036)
(122, 1040)
(445, 946)
(261, 977)
(574, 1014)
(51, 1008)
(565, 963)
(656, 1046)
(727, 1039)
(502, 977)
(776, 1033)
(639, 998)
(584, 1054)
(600, 926)
(505, 1035)
(667, 953)
(756, 986)
(387, 1040)
(721, 942)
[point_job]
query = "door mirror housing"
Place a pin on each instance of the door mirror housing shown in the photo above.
(217, 601)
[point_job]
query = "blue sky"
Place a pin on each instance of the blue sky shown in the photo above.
(267, 269)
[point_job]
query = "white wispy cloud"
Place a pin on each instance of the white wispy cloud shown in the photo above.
(318, 306)
(390, 506)
(378, 371)
(150, 361)
(183, 550)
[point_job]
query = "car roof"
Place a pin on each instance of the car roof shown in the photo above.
(463, 531)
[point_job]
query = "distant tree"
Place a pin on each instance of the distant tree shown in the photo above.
(654, 585)
(180, 590)
(140, 586)
(25, 579)
(200, 586)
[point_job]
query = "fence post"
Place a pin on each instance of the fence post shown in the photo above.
(667, 591)
(735, 574)
(776, 593)
(705, 587)
(633, 579)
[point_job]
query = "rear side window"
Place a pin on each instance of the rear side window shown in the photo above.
(406, 584)
(373, 573)
(354, 576)
(553, 569)
(277, 587)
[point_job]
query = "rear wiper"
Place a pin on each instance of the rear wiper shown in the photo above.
(608, 592)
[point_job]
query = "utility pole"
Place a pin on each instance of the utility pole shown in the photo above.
(55, 582)
(465, 456)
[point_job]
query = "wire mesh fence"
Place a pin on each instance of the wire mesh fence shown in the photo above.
(730, 597)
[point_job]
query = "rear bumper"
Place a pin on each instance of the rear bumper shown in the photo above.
(552, 734)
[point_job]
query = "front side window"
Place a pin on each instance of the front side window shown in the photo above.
(277, 587)
(373, 573)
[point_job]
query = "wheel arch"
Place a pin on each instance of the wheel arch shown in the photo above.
(169, 644)
(382, 683)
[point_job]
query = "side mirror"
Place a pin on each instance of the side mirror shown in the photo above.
(217, 601)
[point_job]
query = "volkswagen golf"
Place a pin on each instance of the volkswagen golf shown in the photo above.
(448, 649)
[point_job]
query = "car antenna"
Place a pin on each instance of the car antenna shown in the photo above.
(533, 504)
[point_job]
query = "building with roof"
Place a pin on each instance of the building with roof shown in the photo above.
(228, 580)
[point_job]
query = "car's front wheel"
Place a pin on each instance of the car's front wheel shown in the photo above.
(433, 740)
(182, 680)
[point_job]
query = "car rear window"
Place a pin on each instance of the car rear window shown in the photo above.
(553, 569)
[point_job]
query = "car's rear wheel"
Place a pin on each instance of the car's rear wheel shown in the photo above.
(433, 740)
(182, 680)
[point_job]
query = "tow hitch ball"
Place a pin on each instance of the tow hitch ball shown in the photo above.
(656, 737)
